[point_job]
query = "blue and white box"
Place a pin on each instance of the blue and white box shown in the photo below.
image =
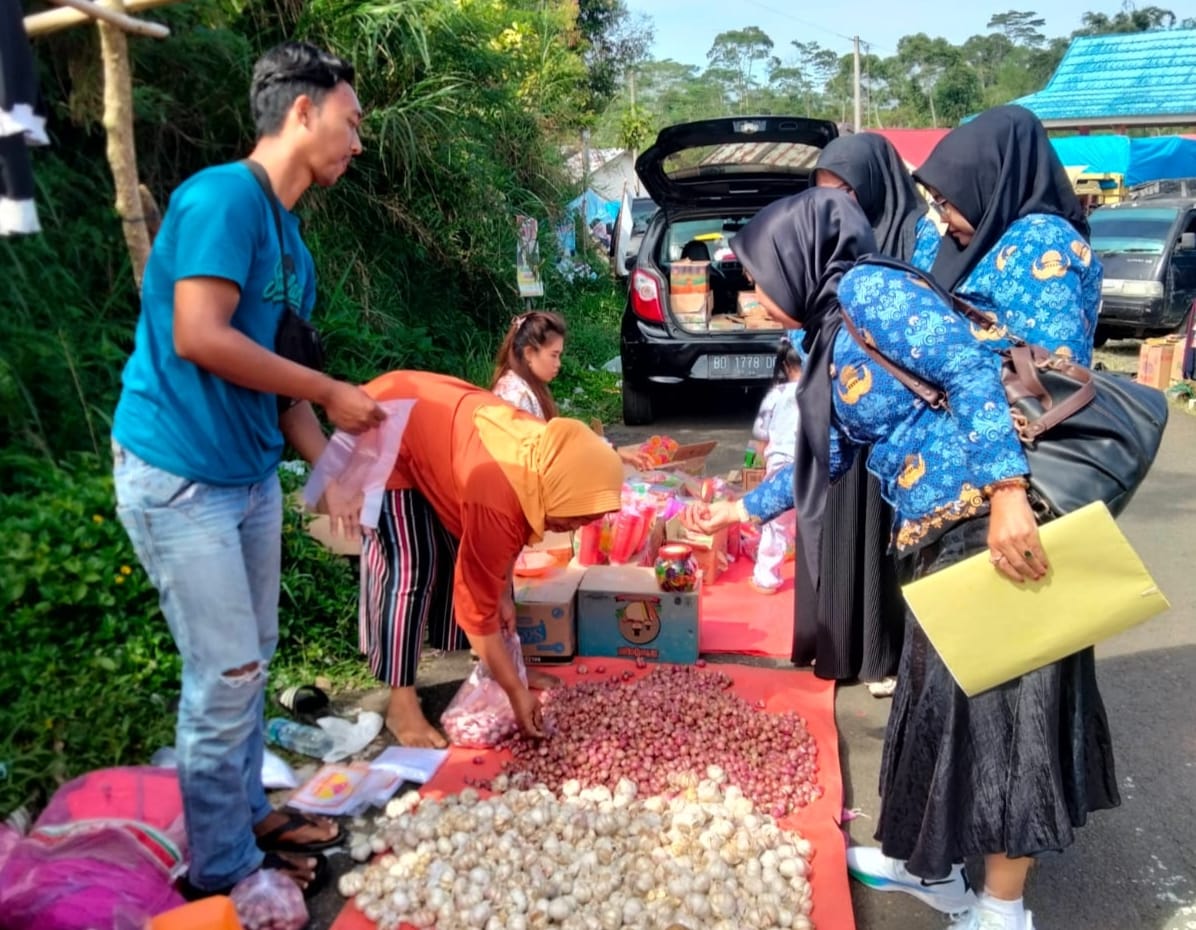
(545, 615)
(622, 613)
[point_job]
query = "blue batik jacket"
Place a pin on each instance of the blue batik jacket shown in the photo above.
(933, 465)
(1040, 283)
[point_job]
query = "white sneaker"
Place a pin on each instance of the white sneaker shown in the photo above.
(981, 918)
(950, 895)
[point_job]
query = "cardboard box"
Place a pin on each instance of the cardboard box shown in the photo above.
(1177, 357)
(545, 615)
(725, 323)
(692, 311)
(689, 277)
(752, 477)
(622, 613)
(1154, 363)
(709, 550)
(1177, 363)
(749, 304)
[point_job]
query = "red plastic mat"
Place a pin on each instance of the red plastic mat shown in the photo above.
(781, 690)
(739, 620)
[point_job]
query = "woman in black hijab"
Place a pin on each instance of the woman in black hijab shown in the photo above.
(851, 627)
(810, 239)
(1008, 774)
(815, 237)
(1017, 239)
(867, 166)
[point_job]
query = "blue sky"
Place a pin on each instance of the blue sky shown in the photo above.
(685, 29)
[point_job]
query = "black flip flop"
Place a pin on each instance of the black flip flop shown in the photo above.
(305, 702)
(272, 841)
(271, 860)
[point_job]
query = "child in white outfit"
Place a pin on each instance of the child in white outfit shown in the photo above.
(776, 425)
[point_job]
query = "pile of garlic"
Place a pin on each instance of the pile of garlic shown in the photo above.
(591, 859)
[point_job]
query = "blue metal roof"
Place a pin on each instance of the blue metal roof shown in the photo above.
(1139, 77)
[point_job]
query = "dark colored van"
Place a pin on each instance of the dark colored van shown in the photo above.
(1148, 250)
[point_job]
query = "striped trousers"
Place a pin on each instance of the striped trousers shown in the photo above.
(406, 588)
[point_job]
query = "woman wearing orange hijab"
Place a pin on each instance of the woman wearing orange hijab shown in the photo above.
(475, 480)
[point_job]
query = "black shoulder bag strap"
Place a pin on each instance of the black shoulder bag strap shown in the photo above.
(288, 263)
(295, 339)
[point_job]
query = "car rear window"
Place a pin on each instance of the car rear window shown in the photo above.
(715, 232)
(742, 158)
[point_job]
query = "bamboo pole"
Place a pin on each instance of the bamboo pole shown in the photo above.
(122, 152)
(38, 24)
(122, 21)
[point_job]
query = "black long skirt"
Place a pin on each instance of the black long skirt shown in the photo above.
(851, 627)
(1014, 770)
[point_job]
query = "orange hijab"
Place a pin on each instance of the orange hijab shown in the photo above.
(557, 469)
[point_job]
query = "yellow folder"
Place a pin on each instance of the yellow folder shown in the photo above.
(989, 630)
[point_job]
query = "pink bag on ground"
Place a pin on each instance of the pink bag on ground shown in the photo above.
(104, 853)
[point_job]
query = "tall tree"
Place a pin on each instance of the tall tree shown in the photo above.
(925, 61)
(612, 41)
(1128, 19)
(740, 55)
(1020, 27)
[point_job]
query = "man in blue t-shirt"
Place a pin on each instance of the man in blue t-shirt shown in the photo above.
(197, 439)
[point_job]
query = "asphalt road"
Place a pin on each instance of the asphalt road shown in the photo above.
(1133, 868)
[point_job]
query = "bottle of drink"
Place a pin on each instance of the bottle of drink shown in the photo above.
(749, 456)
(297, 737)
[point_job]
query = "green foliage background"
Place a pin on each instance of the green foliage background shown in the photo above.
(467, 103)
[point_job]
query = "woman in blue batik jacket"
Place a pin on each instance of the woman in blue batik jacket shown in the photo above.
(1008, 774)
(1017, 239)
(852, 625)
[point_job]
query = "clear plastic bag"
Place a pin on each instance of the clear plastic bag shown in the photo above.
(363, 463)
(269, 900)
(480, 715)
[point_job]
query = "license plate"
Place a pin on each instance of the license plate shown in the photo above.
(741, 366)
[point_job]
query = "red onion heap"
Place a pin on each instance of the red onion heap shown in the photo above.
(665, 731)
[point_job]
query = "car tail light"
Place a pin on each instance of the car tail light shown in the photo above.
(646, 299)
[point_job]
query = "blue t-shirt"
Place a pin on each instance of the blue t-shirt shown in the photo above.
(171, 413)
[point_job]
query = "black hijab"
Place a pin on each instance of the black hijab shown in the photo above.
(996, 169)
(796, 250)
(883, 187)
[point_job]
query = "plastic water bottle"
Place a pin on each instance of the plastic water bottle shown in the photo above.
(298, 737)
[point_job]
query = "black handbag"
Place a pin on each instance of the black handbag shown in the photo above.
(1088, 435)
(295, 339)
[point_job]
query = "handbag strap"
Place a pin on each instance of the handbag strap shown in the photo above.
(936, 398)
(957, 303)
(1019, 376)
(288, 264)
(1021, 379)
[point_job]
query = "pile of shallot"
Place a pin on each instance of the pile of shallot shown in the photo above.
(588, 859)
(662, 731)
